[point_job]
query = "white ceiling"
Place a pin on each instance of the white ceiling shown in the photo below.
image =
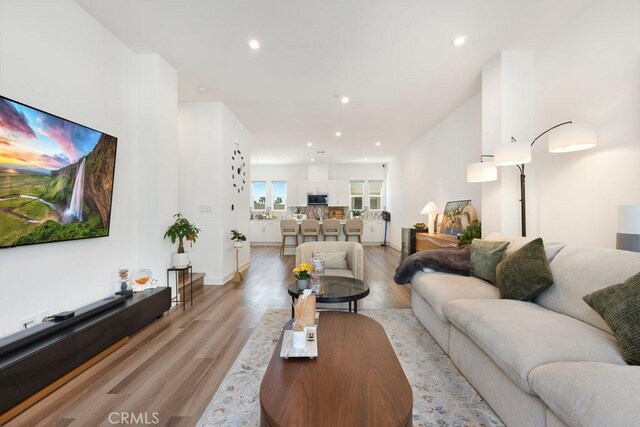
(393, 58)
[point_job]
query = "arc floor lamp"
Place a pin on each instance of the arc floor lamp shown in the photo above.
(576, 137)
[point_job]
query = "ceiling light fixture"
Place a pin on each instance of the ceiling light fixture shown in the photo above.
(309, 144)
(313, 160)
(254, 44)
(344, 99)
(365, 159)
(378, 144)
(338, 134)
(459, 41)
(202, 90)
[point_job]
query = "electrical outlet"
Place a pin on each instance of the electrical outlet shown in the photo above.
(28, 322)
(43, 315)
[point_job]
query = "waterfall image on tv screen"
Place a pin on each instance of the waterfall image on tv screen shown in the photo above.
(56, 177)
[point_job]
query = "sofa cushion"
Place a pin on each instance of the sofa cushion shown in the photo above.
(525, 273)
(336, 259)
(578, 271)
(590, 393)
(519, 336)
(551, 248)
(619, 306)
(485, 256)
(338, 272)
(440, 288)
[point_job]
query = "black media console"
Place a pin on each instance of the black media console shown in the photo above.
(32, 359)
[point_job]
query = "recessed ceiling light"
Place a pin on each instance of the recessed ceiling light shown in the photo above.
(309, 144)
(344, 99)
(254, 44)
(202, 90)
(378, 144)
(313, 160)
(338, 133)
(365, 159)
(459, 41)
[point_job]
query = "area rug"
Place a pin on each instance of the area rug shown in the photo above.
(441, 395)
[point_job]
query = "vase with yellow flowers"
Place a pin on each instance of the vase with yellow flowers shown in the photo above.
(302, 273)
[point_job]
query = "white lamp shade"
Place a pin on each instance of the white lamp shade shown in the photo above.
(629, 219)
(430, 209)
(573, 137)
(513, 153)
(482, 172)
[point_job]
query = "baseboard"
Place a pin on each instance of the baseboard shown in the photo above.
(396, 247)
(217, 281)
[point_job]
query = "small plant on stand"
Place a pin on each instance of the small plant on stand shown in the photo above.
(180, 230)
(237, 238)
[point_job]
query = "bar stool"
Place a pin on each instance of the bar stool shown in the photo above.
(331, 228)
(354, 227)
(310, 228)
(288, 228)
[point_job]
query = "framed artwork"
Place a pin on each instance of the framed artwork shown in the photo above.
(452, 218)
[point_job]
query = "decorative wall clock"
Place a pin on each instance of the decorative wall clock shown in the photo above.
(238, 169)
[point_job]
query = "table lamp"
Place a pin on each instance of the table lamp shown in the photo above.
(430, 209)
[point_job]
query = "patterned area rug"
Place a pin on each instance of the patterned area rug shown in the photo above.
(441, 395)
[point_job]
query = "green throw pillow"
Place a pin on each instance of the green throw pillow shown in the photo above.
(525, 273)
(485, 256)
(619, 306)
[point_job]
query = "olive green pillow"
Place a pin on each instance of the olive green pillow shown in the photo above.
(525, 273)
(485, 256)
(619, 306)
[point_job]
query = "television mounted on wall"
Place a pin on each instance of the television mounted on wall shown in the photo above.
(56, 177)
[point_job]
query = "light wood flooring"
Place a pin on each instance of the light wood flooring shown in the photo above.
(174, 366)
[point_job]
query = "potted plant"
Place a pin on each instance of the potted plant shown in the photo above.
(473, 231)
(302, 273)
(237, 238)
(181, 229)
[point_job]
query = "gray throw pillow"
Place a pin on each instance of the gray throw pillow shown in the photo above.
(524, 274)
(619, 306)
(335, 260)
(485, 256)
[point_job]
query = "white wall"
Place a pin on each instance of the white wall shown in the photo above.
(157, 142)
(72, 67)
(434, 168)
(207, 133)
(589, 72)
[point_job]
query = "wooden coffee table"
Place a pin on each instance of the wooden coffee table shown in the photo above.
(356, 380)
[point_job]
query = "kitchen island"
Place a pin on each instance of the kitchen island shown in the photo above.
(266, 232)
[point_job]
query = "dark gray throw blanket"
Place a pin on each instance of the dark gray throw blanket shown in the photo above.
(446, 260)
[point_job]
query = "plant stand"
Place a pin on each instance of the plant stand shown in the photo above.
(237, 277)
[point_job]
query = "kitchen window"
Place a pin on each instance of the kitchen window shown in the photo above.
(356, 195)
(259, 195)
(279, 195)
(375, 195)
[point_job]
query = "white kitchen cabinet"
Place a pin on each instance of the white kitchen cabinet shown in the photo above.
(265, 231)
(338, 193)
(317, 187)
(257, 235)
(343, 193)
(301, 194)
(373, 231)
(332, 192)
(272, 232)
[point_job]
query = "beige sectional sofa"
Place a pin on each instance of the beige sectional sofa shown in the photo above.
(551, 362)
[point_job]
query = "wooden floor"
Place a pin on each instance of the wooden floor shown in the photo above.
(175, 365)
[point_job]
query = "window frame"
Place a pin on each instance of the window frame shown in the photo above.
(378, 196)
(273, 196)
(353, 195)
(253, 196)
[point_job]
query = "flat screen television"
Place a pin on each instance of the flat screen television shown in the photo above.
(56, 177)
